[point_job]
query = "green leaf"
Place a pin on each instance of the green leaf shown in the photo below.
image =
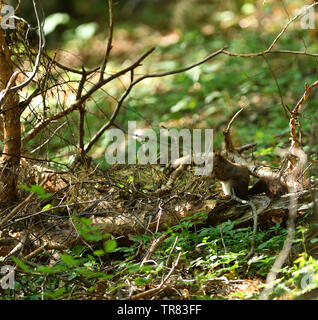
(21, 264)
(85, 221)
(38, 190)
(99, 253)
(47, 207)
(52, 269)
(69, 260)
(110, 245)
(57, 293)
(141, 281)
(133, 268)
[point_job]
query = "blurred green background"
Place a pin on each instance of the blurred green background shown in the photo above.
(185, 31)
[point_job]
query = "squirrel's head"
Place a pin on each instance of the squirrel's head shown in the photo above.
(217, 159)
(217, 163)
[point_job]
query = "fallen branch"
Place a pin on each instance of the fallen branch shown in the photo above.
(45, 247)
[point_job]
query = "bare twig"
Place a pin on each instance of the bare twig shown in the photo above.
(135, 82)
(296, 112)
(40, 49)
(270, 50)
(10, 84)
(38, 128)
(172, 249)
(287, 111)
(69, 69)
(153, 291)
(245, 147)
(21, 205)
(17, 8)
(17, 248)
(227, 135)
(159, 216)
(110, 38)
(155, 244)
(281, 258)
(222, 239)
(50, 138)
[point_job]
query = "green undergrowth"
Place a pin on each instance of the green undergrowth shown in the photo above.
(206, 253)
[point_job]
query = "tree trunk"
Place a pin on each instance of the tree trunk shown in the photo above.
(10, 160)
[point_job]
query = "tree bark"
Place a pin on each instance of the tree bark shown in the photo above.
(11, 113)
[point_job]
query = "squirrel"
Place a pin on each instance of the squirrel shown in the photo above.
(235, 180)
(233, 177)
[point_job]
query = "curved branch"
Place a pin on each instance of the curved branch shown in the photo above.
(269, 49)
(37, 60)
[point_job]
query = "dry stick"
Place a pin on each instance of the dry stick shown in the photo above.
(69, 69)
(227, 136)
(50, 138)
(295, 149)
(155, 244)
(153, 291)
(110, 38)
(245, 147)
(228, 128)
(253, 242)
(116, 75)
(37, 159)
(262, 53)
(288, 23)
(10, 83)
(82, 112)
(172, 249)
(269, 49)
(287, 111)
(23, 203)
(281, 258)
(295, 144)
(39, 250)
(17, 8)
(17, 248)
(35, 253)
(101, 131)
(159, 216)
(25, 103)
(37, 60)
(222, 239)
(255, 216)
(46, 122)
(63, 217)
(305, 53)
(77, 103)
